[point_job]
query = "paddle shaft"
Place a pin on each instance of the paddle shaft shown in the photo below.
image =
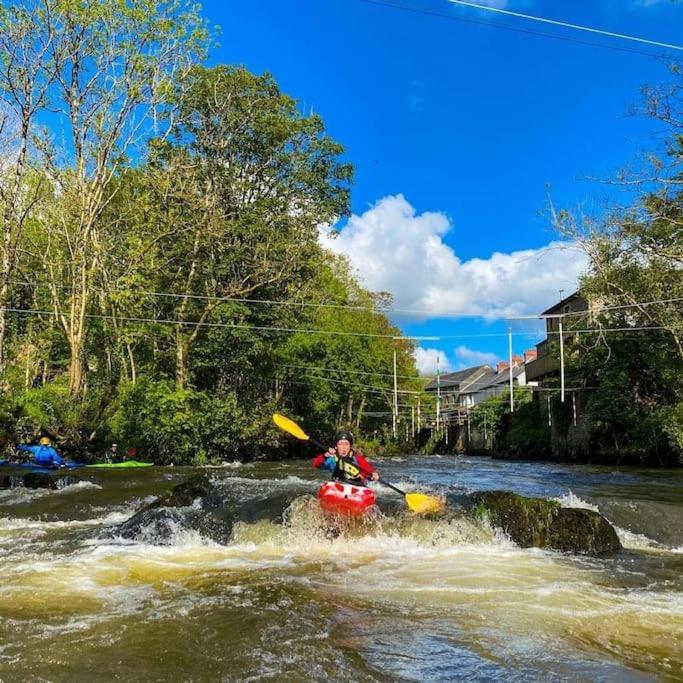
(369, 474)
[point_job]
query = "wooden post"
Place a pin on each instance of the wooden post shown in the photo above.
(438, 395)
(512, 399)
(394, 409)
(561, 363)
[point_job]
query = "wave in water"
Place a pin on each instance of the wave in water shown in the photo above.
(629, 539)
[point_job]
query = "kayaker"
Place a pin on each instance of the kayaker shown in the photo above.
(112, 455)
(346, 464)
(44, 455)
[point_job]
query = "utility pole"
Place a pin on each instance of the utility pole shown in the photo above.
(395, 406)
(512, 398)
(438, 396)
(419, 423)
(561, 363)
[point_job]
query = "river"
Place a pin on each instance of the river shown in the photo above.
(401, 599)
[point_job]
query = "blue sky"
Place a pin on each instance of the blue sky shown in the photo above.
(457, 130)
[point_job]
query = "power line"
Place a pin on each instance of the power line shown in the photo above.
(375, 389)
(369, 309)
(371, 335)
(352, 372)
(191, 323)
(503, 27)
(564, 24)
(594, 330)
(598, 311)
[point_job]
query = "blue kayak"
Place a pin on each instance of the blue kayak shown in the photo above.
(41, 468)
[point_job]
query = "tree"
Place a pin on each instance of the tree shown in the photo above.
(111, 65)
(28, 38)
(243, 183)
(635, 285)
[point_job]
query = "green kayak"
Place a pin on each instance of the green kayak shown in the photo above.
(120, 465)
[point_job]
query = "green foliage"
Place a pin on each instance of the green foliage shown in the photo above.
(141, 250)
(161, 421)
(493, 412)
(634, 379)
(527, 434)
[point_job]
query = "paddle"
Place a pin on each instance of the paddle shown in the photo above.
(417, 502)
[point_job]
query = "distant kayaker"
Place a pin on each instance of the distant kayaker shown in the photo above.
(112, 455)
(346, 464)
(44, 455)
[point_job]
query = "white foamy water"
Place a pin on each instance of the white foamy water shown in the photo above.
(82, 485)
(629, 539)
(394, 596)
(571, 500)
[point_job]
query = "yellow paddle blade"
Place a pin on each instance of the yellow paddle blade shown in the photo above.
(287, 425)
(419, 502)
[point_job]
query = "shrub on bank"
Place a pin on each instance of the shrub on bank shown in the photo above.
(188, 427)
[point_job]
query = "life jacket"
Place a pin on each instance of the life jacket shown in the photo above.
(45, 455)
(348, 470)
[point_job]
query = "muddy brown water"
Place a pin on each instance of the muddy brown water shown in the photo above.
(398, 599)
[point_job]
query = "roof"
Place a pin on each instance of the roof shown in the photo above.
(491, 379)
(556, 307)
(455, 379)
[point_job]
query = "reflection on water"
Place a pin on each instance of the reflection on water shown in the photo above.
(393, 597)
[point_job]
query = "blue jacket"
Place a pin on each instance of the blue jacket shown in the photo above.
(46, 456)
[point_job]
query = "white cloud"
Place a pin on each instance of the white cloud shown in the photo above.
(425, 361)
(397, 250)
(469, 357)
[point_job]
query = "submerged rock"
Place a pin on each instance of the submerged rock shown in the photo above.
(545, 524)
(194, 505)
(203, 506)
(36, 480)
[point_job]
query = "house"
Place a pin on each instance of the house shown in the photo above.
(496, 381)
(462, 390)
(452, 383)
(547, 362)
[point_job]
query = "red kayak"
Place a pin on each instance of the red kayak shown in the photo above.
(345, 499)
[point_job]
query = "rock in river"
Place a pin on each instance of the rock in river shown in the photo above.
(204, 506)
(194, 505)
(545, 524)
(36, 480)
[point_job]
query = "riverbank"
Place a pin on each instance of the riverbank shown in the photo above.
(277, 601)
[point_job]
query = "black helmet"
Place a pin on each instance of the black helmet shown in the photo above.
(343, 434)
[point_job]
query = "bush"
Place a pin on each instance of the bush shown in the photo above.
(188, 427)
(526, 432)
(161, 421)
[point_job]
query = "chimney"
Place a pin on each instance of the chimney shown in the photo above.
(517, 360)
(529, 355)
(502, 366)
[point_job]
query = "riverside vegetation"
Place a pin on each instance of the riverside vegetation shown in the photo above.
(147, 201)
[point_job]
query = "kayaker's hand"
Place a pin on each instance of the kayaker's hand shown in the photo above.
(332, 451)
(375, 476)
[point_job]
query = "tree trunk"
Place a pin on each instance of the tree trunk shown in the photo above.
(359, 414)
(77, 365)
(349, 409)
(182, 371)
(133, 371)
